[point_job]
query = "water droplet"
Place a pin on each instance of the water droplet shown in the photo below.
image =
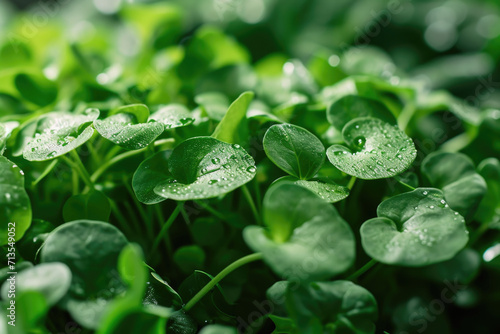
(431, 207)
(359, 142)
(236, 146)
(252, 169)
(33, 149)
(212, 182)
(51, 154)
(215, 161)
(425, 193)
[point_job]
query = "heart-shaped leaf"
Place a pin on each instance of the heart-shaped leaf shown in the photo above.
(456, 175)
(294, 149)
(15, 206)
(301, 227)
(414, 229)
(328, 307)
(172, 116)
(233, 128)
(85, 245)
(123, 130)
(489, 208)
(327, 190)
(204, 167)
(150, 173)
(140, 111)
(58, 133)
(350, 107)
(36, 89)
(52, 280)
(379, 149)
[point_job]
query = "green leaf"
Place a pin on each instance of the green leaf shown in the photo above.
(124, 130)
(204, 167)
(378, 149)
(189, 258)
(176, 298)
(489, 208)
(350, 107)
(15, 205)
(233, 128)
(463, 268)
(85, 245)
(93, 205)
(58, 133)
(151, 172)
(332, 307)
(414, 229)
(294, 149)
(140, 111)
(52, 280)
(215, 104)
(31, 310)
(36, 89)
(456, 175)
(133, 272)
(218, 329)
(172, 116)
(301, 227)
(327, 190)
(232, 80)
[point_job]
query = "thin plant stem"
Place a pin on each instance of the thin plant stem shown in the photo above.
(142, 213)
(351, 182)
(211, 210)
(226, 271)
(82, 172)
(250, 201)
(46, 171)
(165, 228)
(118, 215)
(406, 184)
(257, 194)
(362, 270)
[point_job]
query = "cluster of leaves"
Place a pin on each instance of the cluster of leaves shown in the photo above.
(105, 168)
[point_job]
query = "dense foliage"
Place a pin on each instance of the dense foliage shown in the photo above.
(181, 187)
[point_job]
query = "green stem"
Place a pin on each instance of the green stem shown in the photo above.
(457, 143)
(78, 167)
(118, 215)
(405, 184)
(257, 194)
(351, 182)
(121, 157)
(226, 271)
(211, 210)
(250, 201)
(406, 115)
(47, 170)
(142, 212)
(165, 228)
(362, 270)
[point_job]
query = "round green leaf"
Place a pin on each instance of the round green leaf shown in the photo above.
(489, 208)
(204, 167)
(52, 280)
(123, 130)
(379, 149)
(189, 258)
(36, 89)
(456, 175)
(91, 250)
(414, 229)
(327, 190)
(93, 205)
(150, 172)
(140, 111)
(84, 245)
(58, 133)
(15, 206)
(350, 107)
(294, 149)
(304, 238)
(328, 307)
(172, 116)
